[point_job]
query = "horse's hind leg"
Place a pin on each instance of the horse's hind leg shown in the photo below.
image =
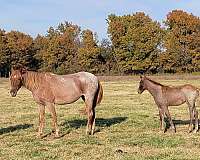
(191, 110)
(52, 110)
(91, 116)
(83, 110)
(196, 120)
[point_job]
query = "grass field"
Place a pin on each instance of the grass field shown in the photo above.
(127, 127)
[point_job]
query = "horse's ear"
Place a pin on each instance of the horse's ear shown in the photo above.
(141, 76)
(23, 70)
(14, 68)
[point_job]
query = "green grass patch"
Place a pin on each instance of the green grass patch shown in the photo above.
(127, 127)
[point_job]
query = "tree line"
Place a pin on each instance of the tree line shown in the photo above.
(136, 44)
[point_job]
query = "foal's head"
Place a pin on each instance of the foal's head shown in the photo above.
(142, 85)
(16, 80)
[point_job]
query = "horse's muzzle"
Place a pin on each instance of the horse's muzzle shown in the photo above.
(13, 93)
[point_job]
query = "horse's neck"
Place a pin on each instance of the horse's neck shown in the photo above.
(152, 87)
(32, 80)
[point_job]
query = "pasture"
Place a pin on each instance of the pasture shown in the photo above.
(127, 126)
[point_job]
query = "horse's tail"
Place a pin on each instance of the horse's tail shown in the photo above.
(100, 93)
(97, 99)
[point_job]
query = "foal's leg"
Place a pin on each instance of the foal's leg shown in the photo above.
(196, 120)
(41, 120)
(91, 116)
(191, 110)
(52, 110)
(169, 117)
(161, 114)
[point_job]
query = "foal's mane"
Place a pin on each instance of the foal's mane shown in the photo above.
(154, 82)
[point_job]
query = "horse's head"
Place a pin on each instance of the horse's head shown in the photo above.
(16, 80)
(142, 86)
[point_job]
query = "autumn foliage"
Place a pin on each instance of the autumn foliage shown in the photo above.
(137, 44)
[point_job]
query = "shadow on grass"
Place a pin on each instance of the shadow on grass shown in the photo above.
(177, 122)
(181, 122)
(14, 128)
(101, 122)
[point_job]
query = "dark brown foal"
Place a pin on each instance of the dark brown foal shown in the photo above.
(49, 89)
(165, 96)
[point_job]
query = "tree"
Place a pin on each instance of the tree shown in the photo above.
(108, 60)
(40, 49)
(136, 39)
(20, 48)
(181, 42)
(59, 50)
(89, 53)
(4, 55)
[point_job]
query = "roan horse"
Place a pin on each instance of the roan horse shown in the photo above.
(49, 89)
(165, 96)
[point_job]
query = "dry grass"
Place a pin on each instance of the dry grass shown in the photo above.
(127, 127)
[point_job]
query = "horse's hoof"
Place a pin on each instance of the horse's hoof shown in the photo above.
(195, 131)
(39, 136)
(88, 132)
(190, 131)
(173, 130)
(161, 131)
(92, 133)
(56, 136)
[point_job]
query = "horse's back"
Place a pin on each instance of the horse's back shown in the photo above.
(88, 81)
(180, 94)
(190, 91)
(69, 88)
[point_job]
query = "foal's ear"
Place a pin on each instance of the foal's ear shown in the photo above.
(141, 77)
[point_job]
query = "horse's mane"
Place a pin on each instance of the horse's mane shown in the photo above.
(32, 79)
(154, 82)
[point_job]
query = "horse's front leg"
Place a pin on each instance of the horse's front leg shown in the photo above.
(41, 120)
(161, 114)
(169, 118)
(52, 110)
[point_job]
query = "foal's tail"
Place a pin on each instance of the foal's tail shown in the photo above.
(100, 93)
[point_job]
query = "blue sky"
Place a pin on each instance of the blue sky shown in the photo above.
(36, 16)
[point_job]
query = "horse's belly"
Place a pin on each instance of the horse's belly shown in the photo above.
(66, 93)
(176, 101)
(66, 100)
